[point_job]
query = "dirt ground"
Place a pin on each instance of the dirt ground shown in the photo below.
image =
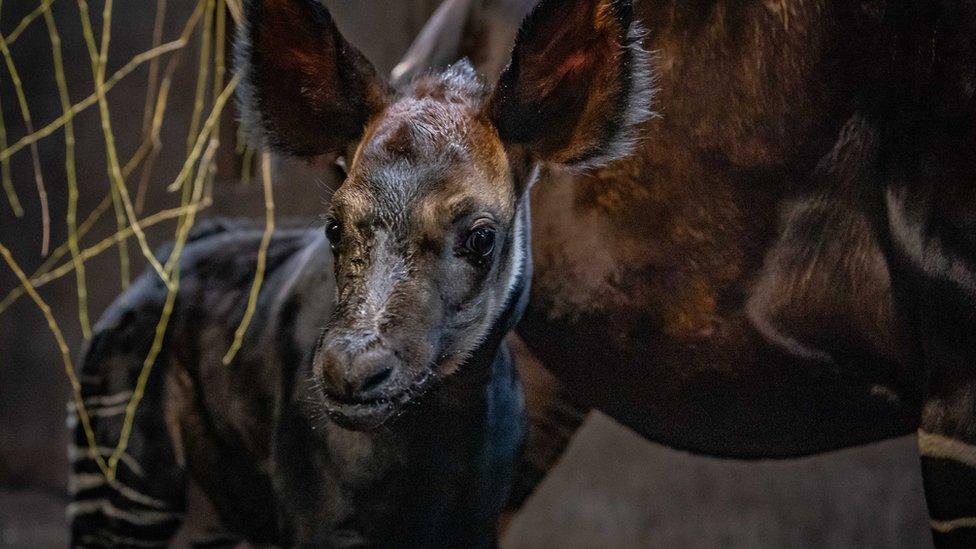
(614, 489)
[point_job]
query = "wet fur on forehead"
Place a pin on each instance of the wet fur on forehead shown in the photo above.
(437, 116)
(433, 142)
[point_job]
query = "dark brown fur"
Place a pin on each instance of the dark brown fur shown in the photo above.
(785, 266)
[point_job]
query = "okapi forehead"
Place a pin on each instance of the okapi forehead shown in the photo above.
(433, 145)
(419, 131)
(437, 118)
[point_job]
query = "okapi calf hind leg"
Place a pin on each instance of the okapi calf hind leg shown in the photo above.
(144, 505)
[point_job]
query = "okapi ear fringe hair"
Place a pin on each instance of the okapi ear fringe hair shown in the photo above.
(249, 114)
(634, 100)
(289, 96)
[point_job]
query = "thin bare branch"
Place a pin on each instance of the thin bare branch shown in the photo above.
(157, 39)
(203, 74)
(108, 242)
(35, 155)
(44, 8)
(173, 270)
(269, 224)
(208, 126)
(80, 106)
(65, 358)
(70, 175)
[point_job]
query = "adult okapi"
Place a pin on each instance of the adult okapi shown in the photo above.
(786, 265)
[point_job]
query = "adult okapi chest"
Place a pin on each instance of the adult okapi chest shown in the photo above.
(374, 402)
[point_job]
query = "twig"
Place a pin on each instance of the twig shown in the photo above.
(208, 126)
(262, 260)
(80, 106)
(220, 74)
(70, 175)
(45, 274)
(203, 74)
(152, 144)
(97, 69)
(157, 39)
(236, 11)
(35, 155)
(173, 282)
(27, 20)
(109, 241)
(65, 358)
(8, 183)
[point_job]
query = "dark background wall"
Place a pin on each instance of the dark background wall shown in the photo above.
(612, 489)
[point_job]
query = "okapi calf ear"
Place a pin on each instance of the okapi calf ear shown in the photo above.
(306, 91)
(577, 85)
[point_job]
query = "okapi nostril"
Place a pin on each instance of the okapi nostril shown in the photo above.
(375, 380)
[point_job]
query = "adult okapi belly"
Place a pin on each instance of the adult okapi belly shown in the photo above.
(705, 322)
(725, 291)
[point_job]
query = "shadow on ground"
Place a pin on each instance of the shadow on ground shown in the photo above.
(614, 489)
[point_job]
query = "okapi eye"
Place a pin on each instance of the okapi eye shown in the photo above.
(333, 231)
(480, 242)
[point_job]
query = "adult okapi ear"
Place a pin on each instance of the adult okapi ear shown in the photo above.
(577, 85)
(305, 90)
(480, 30)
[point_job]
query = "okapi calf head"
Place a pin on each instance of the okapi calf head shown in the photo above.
(429, 229)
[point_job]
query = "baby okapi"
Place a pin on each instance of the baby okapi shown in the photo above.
(295, 442)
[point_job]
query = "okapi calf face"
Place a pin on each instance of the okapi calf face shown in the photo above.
(428, 249)
(429, 228)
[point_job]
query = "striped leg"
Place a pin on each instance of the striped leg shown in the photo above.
(143, 505)
(934, 237)
(949, 471)
(947, 430)
(947, 444)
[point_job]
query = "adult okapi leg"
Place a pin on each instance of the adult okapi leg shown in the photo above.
(947, 433)
(947, 441)
(931, 212)
(143, 505)
(933, 233)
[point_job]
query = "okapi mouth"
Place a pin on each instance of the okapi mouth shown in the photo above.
(371, 414)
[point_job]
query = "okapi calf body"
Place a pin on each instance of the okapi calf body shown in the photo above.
(275, 455)
(422, 270)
